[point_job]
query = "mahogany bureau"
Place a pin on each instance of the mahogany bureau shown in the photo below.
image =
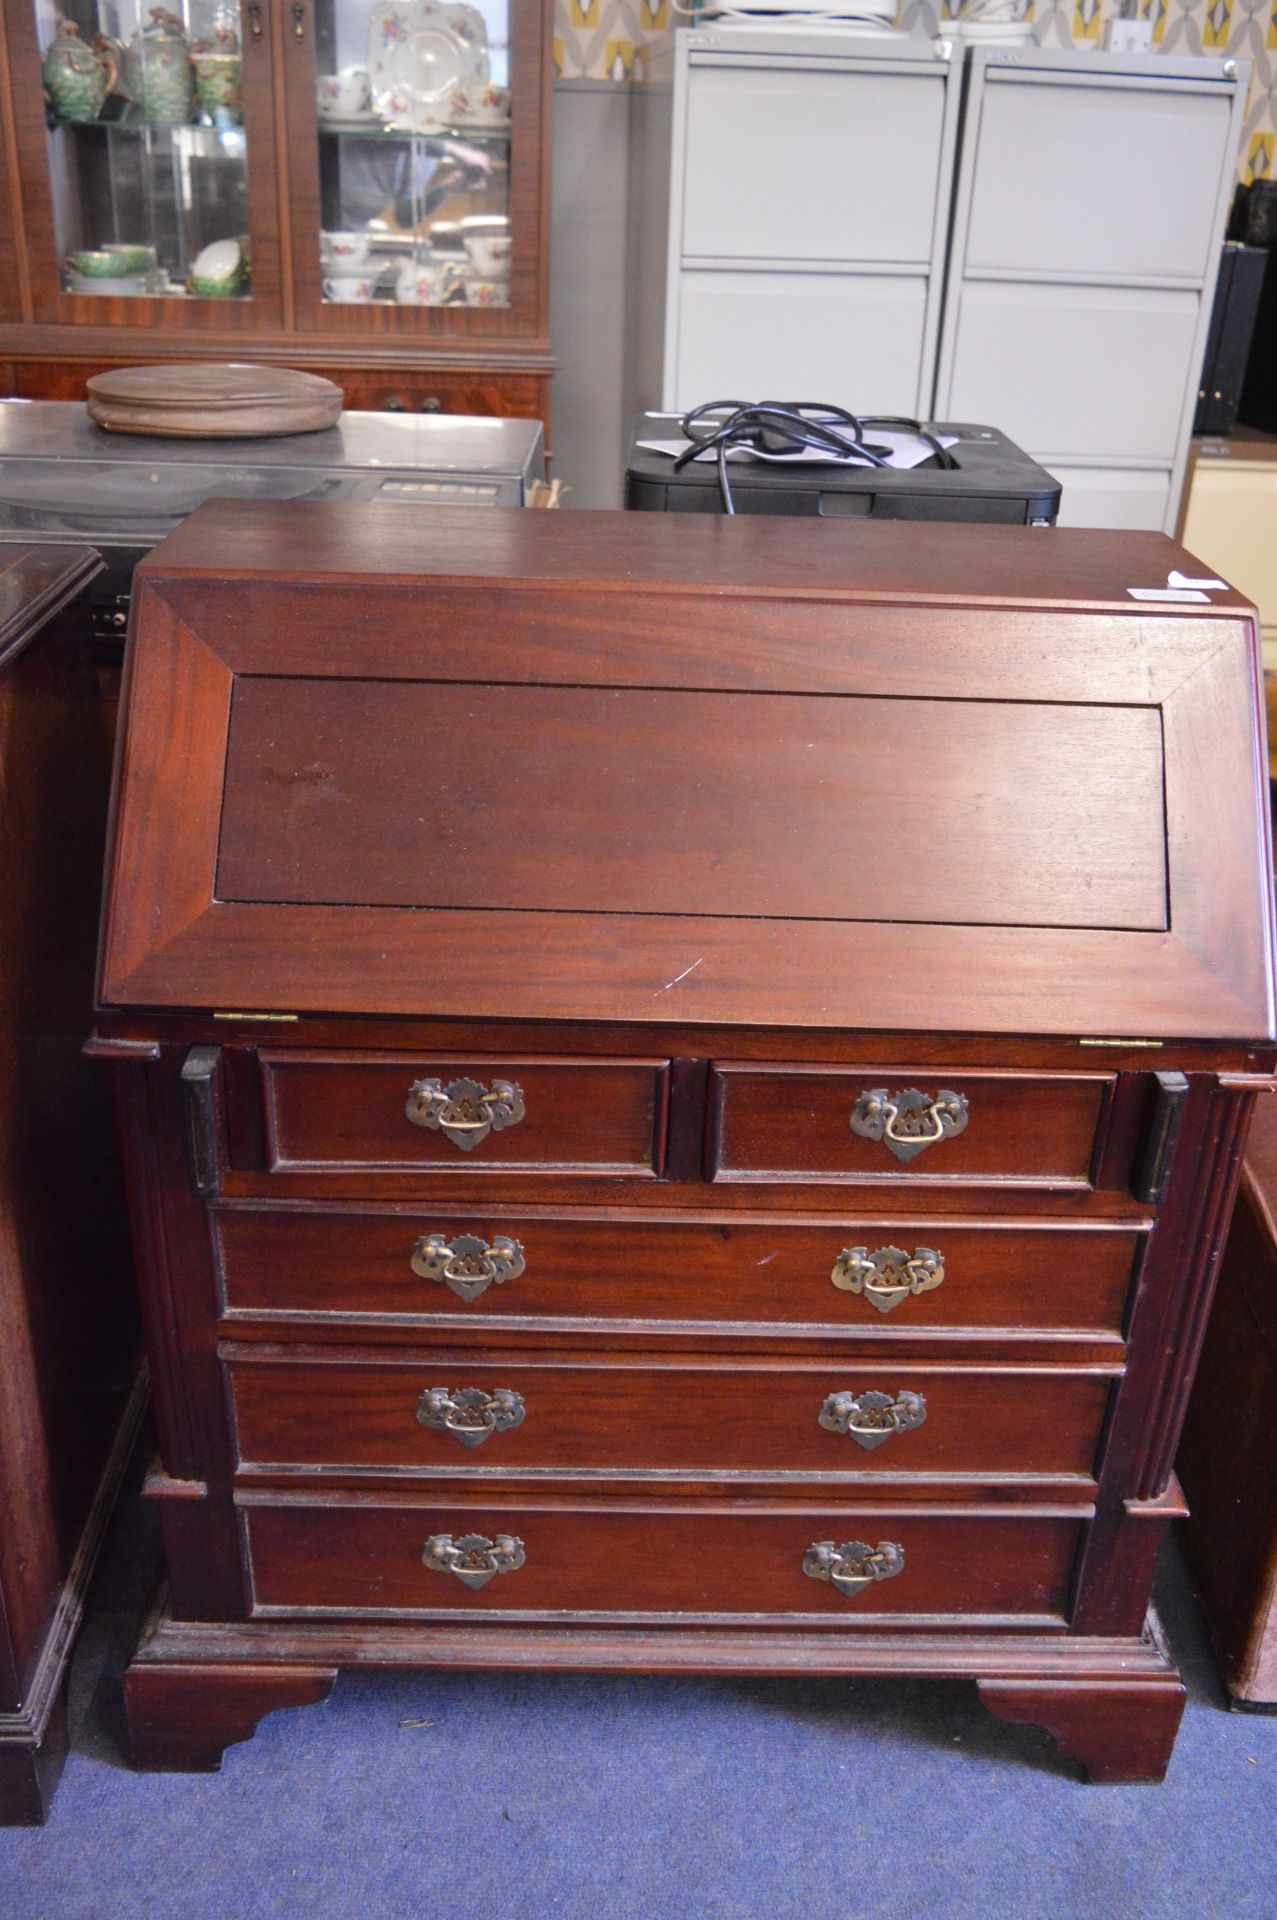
(682, 1086)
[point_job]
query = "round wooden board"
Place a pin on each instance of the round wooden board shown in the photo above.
(212, 401)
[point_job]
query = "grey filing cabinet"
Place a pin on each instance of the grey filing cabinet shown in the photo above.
(808, 205)
(1091, 196)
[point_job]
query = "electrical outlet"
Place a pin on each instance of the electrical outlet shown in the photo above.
(1128, 36)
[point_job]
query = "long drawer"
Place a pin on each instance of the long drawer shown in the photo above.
(568, 1270)
(341, 1110)
(364, 1556)
(930, 1124)
(441, 1413)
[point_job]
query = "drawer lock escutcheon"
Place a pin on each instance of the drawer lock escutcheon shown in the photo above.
(467, 1264)
(909, 1121)
(463, 1111)
(889, 1275)
(853, 1566)
(470, 1415)
(871, 1418)
(474, 1558)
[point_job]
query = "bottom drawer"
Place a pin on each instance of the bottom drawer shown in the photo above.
(511, 1558)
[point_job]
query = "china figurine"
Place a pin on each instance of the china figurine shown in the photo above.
(77, 77)
(217, 78)
(160, 78)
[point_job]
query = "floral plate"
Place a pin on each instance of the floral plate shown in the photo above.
(420, 54)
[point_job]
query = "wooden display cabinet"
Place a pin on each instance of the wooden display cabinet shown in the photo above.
(150, 136)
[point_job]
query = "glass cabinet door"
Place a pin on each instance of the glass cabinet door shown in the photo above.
(414, 131)
(150, 165)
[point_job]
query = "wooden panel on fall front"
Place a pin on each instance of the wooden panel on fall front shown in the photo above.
(335, 1111)
(567, 1270)
(798, 1123)
(657, 802)
(357, 1555)
(306, 1409)
(686, 802)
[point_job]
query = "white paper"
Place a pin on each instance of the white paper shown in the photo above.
(904, 450)
(1170, 593)
(1177, 579)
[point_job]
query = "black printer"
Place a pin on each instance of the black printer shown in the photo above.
(990, 480)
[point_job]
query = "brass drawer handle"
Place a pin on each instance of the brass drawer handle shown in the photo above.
(465, 1263)
(463, 1111)
(909, 1121)
(889, 1275)
(855, 1565)
(871, 1418)
(470, 1415)
(474, 1558)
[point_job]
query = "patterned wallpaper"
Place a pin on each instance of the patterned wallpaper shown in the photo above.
(605, 40)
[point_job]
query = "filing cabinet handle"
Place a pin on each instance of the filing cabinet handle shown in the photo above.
(889, 1275)
(470, 1415)
(467, 1264)
(464, 1111)
(473, 1559)
(909, 1121)
(871, 1418)
(855, 1565)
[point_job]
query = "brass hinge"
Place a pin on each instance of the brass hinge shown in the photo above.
(257, 1016)
(1121, 1043)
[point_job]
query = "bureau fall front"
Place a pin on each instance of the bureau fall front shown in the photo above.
(682, 1087)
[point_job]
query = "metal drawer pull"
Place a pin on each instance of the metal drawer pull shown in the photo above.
(467, 1264)
(474, 1558)
(855, 1565)
(871, 1418)
(463, 1111)
(889, 1275)
(470, 1415)
(909, 1121)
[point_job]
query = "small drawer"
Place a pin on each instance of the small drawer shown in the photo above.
(441, 1413)
(512, 1558)
(570, 1270)
(337, 1111)
(934, 1125)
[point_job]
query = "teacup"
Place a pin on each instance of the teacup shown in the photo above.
(487, 293)
(136, 258)
(489, 254)
(346, 95)
(350, 289)
(490, 106)
(99, 263)
(426, 283)
(342, 251)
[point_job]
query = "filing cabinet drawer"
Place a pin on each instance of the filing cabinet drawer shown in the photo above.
(936, 1124)
(365, 1556)
(445, 1413)
(336, 1111)
(573, 1269)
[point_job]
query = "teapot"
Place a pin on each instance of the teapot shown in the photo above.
(159, 77)
(77, 77)
(427, 282)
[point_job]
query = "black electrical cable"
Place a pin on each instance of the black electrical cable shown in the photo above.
(778, 429)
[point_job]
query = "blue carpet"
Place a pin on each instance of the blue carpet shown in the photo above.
(491, 1797)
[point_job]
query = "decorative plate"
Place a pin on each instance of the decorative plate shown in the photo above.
(421, 53)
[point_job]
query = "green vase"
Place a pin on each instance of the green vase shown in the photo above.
(159, 77)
